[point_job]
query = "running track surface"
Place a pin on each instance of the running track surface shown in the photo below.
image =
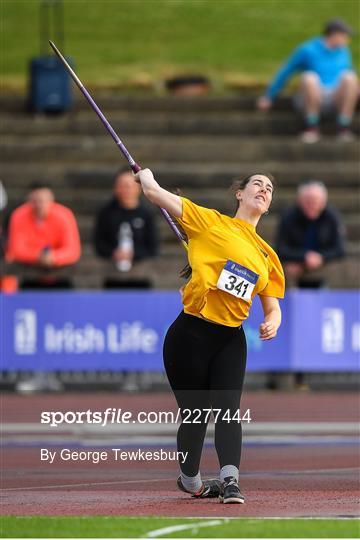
(304, 478)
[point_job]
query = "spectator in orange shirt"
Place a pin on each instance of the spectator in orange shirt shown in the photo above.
(44, 235)
(3, 203)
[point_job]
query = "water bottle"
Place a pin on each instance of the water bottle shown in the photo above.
(126, 244)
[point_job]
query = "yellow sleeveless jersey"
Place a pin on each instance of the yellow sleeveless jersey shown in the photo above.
(230, 264)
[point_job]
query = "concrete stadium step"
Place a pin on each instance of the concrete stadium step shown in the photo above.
(89, 200)
(266, 229)
(99, 174)
(170, 247)
(268, 225)
(116, 101)
(113, 101)
(164, 272)
(214, 197)
(164, 123)
(76, 148)
(88, 258)
(91, 271)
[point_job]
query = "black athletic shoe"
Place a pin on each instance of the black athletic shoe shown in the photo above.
(210, 489)
(230, 492)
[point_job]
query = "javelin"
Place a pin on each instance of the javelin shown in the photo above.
(134, 166)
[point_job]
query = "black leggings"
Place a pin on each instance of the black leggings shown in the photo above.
(205, 364)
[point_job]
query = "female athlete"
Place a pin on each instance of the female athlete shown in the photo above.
(205, 347)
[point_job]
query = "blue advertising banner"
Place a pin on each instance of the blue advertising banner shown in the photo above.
(325, 330)
(87, 331)
(125, 331)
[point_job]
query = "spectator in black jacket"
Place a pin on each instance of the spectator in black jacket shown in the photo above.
(310, 235)
(125, 230)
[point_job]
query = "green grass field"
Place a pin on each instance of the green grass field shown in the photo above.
(136, 43)
(135, 527)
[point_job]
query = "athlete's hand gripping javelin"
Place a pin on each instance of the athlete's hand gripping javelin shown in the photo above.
(167, 201)
(158, 195)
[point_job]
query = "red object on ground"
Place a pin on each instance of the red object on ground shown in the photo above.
(9, 284)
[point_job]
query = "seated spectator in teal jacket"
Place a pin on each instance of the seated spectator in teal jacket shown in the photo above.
(328, 80)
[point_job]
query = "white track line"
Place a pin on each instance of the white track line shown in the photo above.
(229, 518)
(147, 481)
(154, 440)
(247, 518)
(86, 484)
(175, 528)
(145, 429)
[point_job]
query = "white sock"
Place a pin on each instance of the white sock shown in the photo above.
(191, 483)
(229, 470)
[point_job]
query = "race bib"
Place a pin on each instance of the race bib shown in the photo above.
(237, 280)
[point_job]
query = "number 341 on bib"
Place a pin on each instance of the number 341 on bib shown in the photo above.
(237, 280)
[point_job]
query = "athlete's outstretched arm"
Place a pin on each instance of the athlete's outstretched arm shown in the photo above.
(158, 195)
(272, 317)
